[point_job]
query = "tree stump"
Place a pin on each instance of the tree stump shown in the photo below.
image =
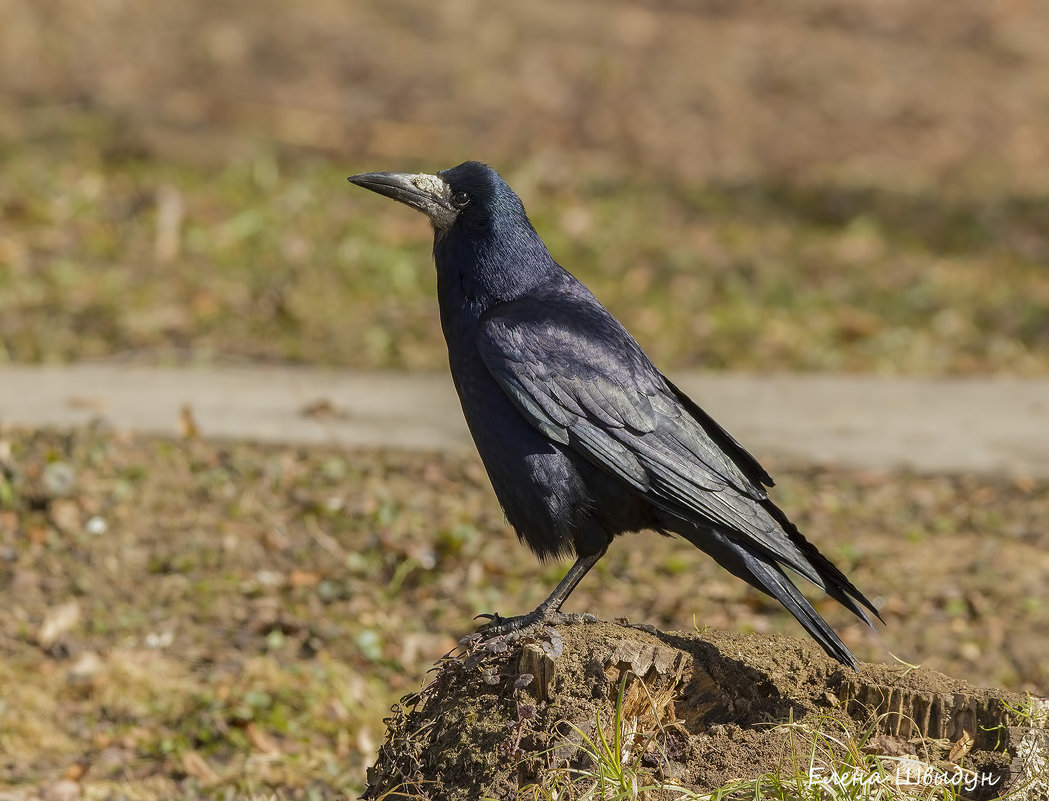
(700, 711)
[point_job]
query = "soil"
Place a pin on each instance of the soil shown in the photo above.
(699, 710)
(190, 617)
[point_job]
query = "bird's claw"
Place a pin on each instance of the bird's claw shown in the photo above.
(509, 625)
(521, 623)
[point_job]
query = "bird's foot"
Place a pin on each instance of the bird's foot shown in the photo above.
(499, 625)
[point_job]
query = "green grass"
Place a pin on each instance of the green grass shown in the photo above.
(274, 257)
(822, 761)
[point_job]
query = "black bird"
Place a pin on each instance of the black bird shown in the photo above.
(582, 437)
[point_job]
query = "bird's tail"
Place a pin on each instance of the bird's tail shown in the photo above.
(828, 577)
(763, 572)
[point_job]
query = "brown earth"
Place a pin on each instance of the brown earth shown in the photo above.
(192, 617)
(701, 711)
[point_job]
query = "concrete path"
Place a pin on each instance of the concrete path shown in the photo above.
(951, 425)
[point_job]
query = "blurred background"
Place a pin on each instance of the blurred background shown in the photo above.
(805, 185)
(809, 185)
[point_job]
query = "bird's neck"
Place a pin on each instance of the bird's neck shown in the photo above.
(476, 272)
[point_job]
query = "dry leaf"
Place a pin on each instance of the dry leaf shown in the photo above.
(74, 772)
(66, 515)
(57, 622)
(888, 745)
(170, 212)
(365, 741)
(322, 409)
(303, 578)
(61, 790)
(962, 747)
(187, 423)
(262, 741)
(196, 766)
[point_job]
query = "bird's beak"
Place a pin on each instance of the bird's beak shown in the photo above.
(428, 193)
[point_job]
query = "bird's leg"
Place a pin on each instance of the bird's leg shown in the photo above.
(548, 610)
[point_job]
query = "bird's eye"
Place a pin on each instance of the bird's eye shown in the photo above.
(460, 200)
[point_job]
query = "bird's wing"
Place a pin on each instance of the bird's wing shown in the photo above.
(740, 456)
(577, 375)
(581, 379)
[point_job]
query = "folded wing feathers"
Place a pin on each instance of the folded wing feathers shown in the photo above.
(616, 457)
(670, 451)
(669, 463)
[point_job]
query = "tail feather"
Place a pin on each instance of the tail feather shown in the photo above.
(764, 573)
(835, 583)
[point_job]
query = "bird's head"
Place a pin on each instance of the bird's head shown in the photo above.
(484, 245)
(472, 195)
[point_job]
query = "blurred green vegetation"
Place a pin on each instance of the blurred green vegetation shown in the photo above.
(107, 251)
(797, 187)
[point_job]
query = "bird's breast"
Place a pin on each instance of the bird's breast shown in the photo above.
(557, 501)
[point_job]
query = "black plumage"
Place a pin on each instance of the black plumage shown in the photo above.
(582, 437)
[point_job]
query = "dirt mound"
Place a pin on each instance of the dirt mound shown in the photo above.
(695, 711)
